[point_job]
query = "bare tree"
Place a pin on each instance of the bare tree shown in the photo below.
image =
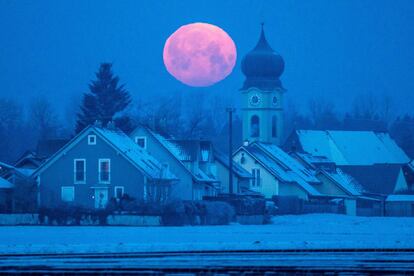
(323, 115)
(12, 130)
(43, 118)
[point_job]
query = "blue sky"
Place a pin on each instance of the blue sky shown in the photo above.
(332, 49)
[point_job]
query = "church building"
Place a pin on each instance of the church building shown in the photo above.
(262, 94)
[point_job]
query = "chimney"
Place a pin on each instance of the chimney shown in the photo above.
(111, 125)
(98, 123)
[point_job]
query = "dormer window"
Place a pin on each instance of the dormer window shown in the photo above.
(91, 139)
(141, 141)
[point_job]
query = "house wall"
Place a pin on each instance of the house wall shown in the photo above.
(222, 174)
(401, 183)
(61, 173)
(399, 209)
(183, 189)
(269, 184)
(291, 189)
(328, 187)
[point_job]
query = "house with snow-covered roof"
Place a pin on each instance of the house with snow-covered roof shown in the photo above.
(192, 161)
(99, 164)
(372, 158)
(348, 148)
(275, 173)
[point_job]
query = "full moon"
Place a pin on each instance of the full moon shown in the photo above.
(199, 54)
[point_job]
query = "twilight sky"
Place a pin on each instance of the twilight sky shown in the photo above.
(333, 49)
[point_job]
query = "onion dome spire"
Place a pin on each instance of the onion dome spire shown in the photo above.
(262, 66)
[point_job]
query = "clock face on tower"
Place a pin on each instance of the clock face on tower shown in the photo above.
(255, 99)
(274, 100)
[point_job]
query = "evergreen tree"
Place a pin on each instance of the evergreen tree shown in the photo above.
(105, 99)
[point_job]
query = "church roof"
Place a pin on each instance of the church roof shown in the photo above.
(262, 66)
(352, 147)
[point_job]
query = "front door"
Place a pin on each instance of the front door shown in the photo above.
(101, 197)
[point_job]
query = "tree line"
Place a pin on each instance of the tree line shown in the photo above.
(181, 115)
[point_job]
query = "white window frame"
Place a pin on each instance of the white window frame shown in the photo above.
(67, 188)
(99, 170)
(141, 137)
(119, 187)
(89, 140)
(84, 171)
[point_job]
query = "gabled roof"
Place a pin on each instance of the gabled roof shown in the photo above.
(28, 157)
(237, 169)
(4, 184)
(183, 151)
(6, 171)
(344, 181)
(376, 179)
(125, 146)
(400, 198)
(282, 166)
(352, 147)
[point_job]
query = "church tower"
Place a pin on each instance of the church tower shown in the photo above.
(262, 94)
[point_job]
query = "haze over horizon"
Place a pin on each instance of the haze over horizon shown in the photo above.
(334, 50)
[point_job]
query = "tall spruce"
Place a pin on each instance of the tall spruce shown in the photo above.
(104, 100)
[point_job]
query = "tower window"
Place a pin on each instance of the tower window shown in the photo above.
(254, 126)
(274, 126)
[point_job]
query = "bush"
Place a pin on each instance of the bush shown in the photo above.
(67, 214)
(174, 214)
(133, 206)
(195, 213)
(218, 213)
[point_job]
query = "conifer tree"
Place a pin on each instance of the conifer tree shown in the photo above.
(104, 100)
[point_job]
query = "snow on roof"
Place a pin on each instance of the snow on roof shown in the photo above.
(400, 198)
(289, 161)
(136, 154)
(352, 147)
(346, 181)
(4, 184)
(5, 165)
(183, 150)
(174, 148)
(237, 169)
(25, 172)
(283, 167)
(312, 159)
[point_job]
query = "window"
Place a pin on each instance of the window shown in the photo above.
(204, 155)
(68, 193)
(256, 177)
(79, 169)
(91, 139)
(141, 141)
(274, 126)
(119, 192)
(255, 126)
(104, 170)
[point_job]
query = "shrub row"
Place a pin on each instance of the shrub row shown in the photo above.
(172, 213)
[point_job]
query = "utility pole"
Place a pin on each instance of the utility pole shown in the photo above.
(230, 110)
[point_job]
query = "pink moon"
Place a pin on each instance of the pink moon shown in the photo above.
(199, 54)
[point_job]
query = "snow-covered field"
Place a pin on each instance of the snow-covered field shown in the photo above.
(317, 231)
